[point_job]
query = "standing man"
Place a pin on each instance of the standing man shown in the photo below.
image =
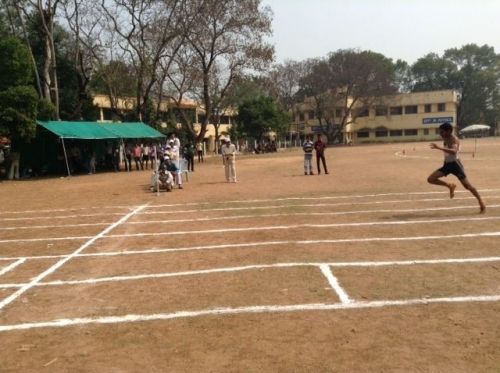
(320, 147)
(189, 156)
(176, 148)
(452, 165)
(199, 150)
(228, 152)
(14, 165)
(308, 147)
(138, 157)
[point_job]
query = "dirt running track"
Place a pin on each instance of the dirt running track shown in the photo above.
(366, 269)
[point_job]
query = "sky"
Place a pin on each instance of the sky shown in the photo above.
(399, 29)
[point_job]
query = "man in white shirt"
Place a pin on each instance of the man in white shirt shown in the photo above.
(228, 152)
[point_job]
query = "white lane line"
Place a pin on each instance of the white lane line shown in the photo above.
(61, 262)
(334, 283)
(55, 226)
(247, 310)
(317, 198)
(486, 190)
(12, 266)
(262, 266)
(227, 230)
(236, 217)
(322, 205)
(283, 227)
(62, 216)
(246, 229)
(71, 209)
(69, 238)
(257, 244)
(243, 208)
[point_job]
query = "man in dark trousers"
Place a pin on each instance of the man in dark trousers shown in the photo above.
(320, 147)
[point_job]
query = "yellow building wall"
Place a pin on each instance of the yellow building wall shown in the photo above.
(424, 123)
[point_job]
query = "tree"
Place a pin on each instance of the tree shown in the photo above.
(227, 39)
(148, 32)
(346, 84)
(478, 80)
(473, 71)
(19, 101)
(431, 73)
(260, 115)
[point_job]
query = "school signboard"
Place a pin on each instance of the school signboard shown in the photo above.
(437, 120)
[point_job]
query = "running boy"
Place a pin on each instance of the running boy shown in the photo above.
(452, 165)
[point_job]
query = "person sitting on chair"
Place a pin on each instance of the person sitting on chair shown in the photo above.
(174, 170)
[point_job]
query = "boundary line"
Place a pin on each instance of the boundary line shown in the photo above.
(12, 266)
(263, 200)
(61, 262)
(306, 205)
(325, 268)
(246, 229)
(256, 244)
(334, 283)
(247, 310)
(397, 222)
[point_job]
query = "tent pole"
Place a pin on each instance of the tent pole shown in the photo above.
(125, 154)
(157, 169)
(65, 156)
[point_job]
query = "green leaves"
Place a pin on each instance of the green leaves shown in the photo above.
(260, 115)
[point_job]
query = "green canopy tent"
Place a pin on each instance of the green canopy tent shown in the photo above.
(99, 131)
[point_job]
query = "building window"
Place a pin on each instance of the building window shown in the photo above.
(441, 107)
(380, 111)
(411, 132)
(381, 132)
(396, 110)
(363, 112)
(411, 109)
(396, 133)
(437, 131)
(428, 108)
(301, 117)
(338, 113)
(310, 115)
(363, 134)
(426, 131)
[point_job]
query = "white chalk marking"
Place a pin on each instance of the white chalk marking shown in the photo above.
(236, 217)
(61, 216)
(235, 201)
(317, 198)
(224, 230)
(322, 205)
(70, 209)
(256, 244)
(253, 201)
(55, 226)
(323, 266)
(247, 310)
(61, 262)
(334, 283)
(12, 266)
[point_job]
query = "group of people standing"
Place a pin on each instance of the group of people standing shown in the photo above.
(319, 146)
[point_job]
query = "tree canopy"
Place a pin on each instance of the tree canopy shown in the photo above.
(260, 115)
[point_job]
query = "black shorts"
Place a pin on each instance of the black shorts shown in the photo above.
(454, 168)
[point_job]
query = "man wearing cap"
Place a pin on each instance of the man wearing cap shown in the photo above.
(228, 152)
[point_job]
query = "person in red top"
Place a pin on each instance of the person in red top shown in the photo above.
(320, 147)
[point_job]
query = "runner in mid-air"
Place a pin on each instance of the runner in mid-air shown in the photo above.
(452, 165)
